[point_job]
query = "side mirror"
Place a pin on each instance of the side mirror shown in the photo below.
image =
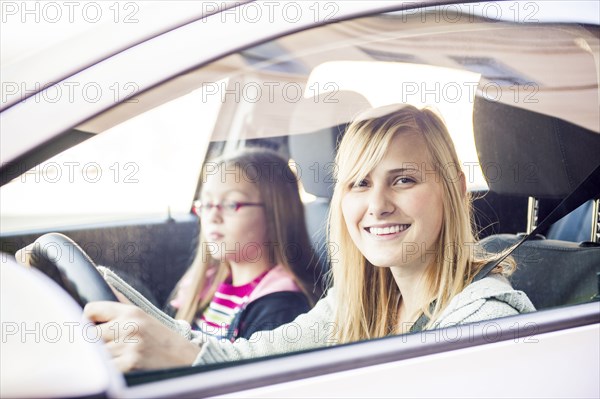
(48, 348)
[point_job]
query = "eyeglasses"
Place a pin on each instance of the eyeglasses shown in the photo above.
(227, 207)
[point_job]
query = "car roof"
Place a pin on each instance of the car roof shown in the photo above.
(66, 39)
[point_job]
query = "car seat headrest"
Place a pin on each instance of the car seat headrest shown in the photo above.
(316, 127)
(526, 153)
(313, 154)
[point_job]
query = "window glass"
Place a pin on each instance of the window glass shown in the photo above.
(147, 165)
(146, 158)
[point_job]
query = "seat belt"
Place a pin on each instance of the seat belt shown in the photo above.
(589, 188)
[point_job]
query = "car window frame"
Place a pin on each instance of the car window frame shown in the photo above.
(524, 329)
(302, 365)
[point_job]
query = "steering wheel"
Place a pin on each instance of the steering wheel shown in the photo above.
(61, 259)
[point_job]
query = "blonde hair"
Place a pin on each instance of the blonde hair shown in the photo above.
(286, 230)
(361, 314)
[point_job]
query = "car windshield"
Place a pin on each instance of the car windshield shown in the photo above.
(126, 193)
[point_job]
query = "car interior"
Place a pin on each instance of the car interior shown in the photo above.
(552, 270)
(527, 156)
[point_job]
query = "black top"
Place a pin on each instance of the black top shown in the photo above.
(267, 313)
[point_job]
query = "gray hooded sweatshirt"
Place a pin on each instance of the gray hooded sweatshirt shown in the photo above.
(489, 298)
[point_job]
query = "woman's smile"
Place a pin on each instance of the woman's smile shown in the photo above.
(387, 231)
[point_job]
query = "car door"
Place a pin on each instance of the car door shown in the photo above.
(203, 99)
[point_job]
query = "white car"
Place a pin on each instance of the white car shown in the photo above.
(104, 133)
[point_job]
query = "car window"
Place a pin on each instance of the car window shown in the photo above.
(116, 175)
(146, 154)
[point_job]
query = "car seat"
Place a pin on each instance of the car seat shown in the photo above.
(576, 226)
(553, 157)
(315, 162)
(316, 127)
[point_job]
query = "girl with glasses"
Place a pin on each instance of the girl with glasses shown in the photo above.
(254, 268)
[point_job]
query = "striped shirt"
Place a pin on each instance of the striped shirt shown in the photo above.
(225, 305)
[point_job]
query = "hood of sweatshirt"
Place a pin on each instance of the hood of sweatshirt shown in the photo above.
(488, 298)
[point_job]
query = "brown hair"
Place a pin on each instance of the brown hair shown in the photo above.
(286, 229)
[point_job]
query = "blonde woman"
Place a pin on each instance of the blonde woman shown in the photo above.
(255, 268)
(407, 257)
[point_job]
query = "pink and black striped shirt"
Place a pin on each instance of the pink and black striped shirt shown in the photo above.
(226, 303)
